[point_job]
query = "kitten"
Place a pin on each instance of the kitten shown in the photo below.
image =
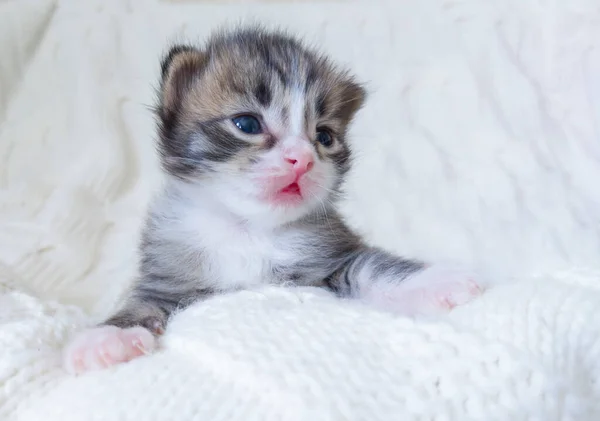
(253, 139)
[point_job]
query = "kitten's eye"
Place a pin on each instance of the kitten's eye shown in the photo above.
(248, 124)
(324, 138)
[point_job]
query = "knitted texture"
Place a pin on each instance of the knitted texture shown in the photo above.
(522, 352)
(478, 145)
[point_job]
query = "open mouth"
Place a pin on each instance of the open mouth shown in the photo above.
(293, 188)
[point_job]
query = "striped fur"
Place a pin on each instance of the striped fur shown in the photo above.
(214, 229)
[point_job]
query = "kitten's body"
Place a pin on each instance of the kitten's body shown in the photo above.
(253, 141)
(241, 254)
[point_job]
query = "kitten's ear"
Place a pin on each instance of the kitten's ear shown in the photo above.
(353, 96)
(180, 67)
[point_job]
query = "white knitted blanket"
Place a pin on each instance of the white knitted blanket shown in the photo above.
(480, 145)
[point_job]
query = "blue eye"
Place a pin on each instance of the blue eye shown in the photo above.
(324, 138)
(248, 124)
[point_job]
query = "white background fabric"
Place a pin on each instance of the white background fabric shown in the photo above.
(480, 144)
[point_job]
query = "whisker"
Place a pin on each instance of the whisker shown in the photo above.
(324, 207)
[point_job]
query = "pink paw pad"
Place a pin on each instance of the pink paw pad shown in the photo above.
(451, 294)
(105, 346)
(432, 291)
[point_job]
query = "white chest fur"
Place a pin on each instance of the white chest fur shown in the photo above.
(233, 254)
(235, 257)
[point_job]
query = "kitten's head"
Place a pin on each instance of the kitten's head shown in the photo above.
(258, 122)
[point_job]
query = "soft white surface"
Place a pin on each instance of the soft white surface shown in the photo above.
(531, 353)
(480, 144)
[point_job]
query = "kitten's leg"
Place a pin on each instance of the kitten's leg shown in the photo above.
(132, 331)
(403, 286)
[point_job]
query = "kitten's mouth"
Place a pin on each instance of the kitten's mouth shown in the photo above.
(293, 188)
(290, 195)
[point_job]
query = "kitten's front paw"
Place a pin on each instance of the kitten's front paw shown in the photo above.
(432, 291)
(105, 346)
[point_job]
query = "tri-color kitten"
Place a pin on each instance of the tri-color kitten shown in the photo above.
(252, 135)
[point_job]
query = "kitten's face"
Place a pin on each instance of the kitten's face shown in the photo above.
(258, 123)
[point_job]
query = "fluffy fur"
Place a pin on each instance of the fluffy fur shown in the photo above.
(243, 209)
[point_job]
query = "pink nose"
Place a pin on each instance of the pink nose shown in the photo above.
(302, 161)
